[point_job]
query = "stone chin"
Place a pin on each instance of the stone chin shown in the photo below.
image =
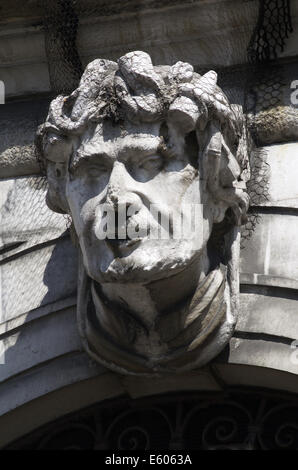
(149, 262)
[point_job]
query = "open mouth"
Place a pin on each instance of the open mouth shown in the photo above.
(121, 235)
(123, 243)
(127, 241)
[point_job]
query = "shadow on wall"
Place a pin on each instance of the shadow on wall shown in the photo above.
(17, 132)
(47, 330)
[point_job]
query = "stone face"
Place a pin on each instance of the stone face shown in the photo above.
(131, 153)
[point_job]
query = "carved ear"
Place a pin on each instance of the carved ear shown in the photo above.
(222, 171)
(55, 150)
(56, 175)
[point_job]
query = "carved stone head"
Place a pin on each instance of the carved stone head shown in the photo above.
(151, 146)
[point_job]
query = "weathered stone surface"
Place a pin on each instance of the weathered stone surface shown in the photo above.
(18, 79)
(17, 10)
(41, 311)
(283, 165)
(17, 133)
(278, 124)
(200, 379)
(60, 372)
(243, 375)
(38, 342)
(131, 136)
(18, 160)
(25, 216)
(267, 314)
(23, 59)
(199, 34)
(272, 250)
(48, 386)
(268, 280)
(272, 103)
(33, 390)
(263, 353)
(37, 267)
(38, 278)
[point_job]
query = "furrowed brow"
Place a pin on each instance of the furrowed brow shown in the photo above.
(79, 157)
(133, 149)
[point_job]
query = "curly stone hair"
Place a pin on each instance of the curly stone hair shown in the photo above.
(133, 89)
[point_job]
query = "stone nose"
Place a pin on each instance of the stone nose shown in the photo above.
(120, 190)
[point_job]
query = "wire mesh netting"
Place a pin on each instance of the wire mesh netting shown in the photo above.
(265, 87)
(273, 28)
(26, 223)
(61, 25)
(257, 88)
(262, 88)
(62, 19)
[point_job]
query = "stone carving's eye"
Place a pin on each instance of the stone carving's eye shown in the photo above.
(88, 168)
(153, 163)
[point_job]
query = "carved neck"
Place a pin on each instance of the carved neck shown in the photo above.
(157, 334)
(150, 299)
(180, 337)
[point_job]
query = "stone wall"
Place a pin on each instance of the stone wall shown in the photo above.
(46, 374)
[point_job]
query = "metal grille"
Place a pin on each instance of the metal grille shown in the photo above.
(189, 421)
